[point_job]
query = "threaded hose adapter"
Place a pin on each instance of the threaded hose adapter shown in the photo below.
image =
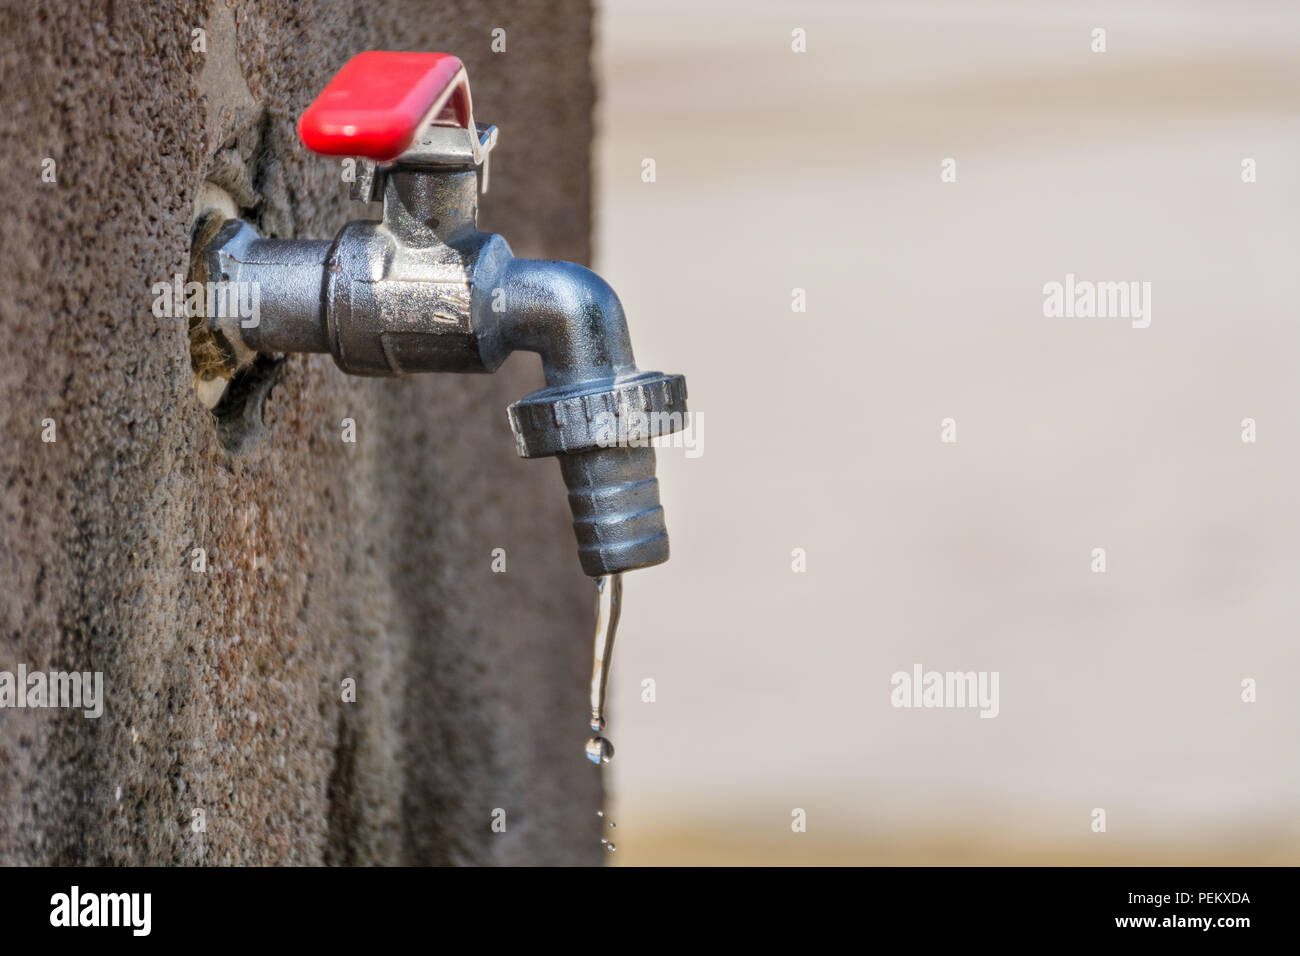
(614, 497)
(601, 432)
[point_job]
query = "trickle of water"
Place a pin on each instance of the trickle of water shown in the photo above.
(608, 608)
(609, 589)
(599, 750)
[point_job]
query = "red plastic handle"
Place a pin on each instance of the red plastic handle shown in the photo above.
(379, 102)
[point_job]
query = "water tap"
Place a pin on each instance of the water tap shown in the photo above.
(422, 290)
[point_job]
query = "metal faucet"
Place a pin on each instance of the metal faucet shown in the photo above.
(422, 290)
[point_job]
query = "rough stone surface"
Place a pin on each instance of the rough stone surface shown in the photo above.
(326, 560)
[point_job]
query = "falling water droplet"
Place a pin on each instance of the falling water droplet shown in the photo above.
(599, 750)
(609, 847)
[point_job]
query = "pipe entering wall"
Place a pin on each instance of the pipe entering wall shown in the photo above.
(293, 319)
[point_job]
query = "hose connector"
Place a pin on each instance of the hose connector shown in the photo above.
(602, 432)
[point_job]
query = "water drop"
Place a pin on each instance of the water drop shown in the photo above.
(600, 813)
(611, 825)
(609, 847)
(599, 750)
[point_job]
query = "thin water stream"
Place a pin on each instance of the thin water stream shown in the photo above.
(609, 606)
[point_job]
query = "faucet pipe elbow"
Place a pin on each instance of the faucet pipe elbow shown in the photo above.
(569, 316)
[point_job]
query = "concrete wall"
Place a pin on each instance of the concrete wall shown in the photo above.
(325, 560)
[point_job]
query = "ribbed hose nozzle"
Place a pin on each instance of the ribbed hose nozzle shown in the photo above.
(602, 431)
(614, 497)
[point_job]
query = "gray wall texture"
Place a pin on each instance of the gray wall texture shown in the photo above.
(326, 560)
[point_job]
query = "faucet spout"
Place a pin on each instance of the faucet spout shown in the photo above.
(569, 316)
(598, 412)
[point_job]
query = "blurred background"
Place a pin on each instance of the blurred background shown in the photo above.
(777, 170)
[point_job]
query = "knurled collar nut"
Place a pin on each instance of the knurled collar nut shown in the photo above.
(563, 420)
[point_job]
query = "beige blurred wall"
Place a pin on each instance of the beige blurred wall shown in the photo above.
(821, 170)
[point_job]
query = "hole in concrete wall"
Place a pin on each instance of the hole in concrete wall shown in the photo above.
(236, 391)
(211, 359)
(224, 195)
(241, 412)
(241, 172)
